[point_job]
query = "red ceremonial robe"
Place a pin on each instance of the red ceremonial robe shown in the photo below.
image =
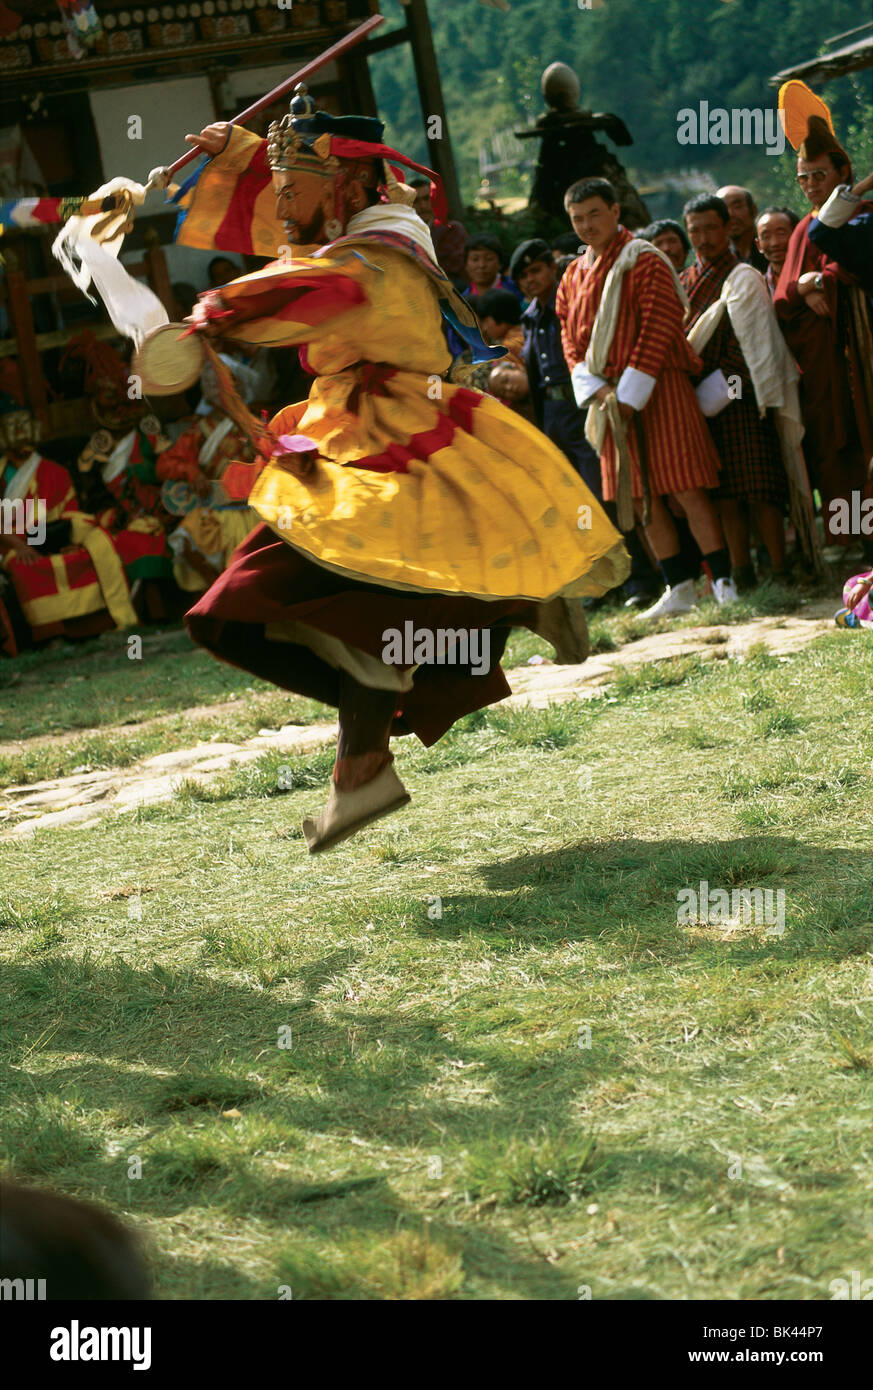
(839, 427)
(82, 590)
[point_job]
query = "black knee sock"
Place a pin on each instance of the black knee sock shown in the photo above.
(674, 569)
(719, 562)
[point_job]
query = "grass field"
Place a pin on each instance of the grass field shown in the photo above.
(90, 706)
(472, 1054)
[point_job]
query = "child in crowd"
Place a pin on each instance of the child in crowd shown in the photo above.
(858, 611)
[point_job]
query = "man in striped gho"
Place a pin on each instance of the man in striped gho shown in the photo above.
(624, 342)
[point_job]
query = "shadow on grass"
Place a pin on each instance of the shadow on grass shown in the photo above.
(202, 1279)
(360, 1074)
(368, 1073)
(370, 1065)
(629, 889)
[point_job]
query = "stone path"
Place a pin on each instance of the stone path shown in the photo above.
(82, 798)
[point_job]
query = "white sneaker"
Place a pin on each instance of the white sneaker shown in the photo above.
(725, 591)
(681, 598)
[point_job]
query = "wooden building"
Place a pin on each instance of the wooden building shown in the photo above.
(122, 106)
(838, 60)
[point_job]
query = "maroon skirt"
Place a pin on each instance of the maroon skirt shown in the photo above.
(269, 582)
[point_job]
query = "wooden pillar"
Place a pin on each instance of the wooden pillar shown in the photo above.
(430, 94)
(21, 322)
(356, 70)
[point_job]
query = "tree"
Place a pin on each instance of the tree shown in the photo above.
(644, 59)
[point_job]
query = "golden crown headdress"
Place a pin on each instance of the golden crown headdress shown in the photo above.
(314, 140)
(288, 147)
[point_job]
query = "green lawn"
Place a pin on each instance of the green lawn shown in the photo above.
(510, 1072)
(119, 710)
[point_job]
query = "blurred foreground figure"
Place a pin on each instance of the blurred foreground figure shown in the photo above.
(80, 1250)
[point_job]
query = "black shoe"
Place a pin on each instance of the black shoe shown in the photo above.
(745, 579)
(637, 595)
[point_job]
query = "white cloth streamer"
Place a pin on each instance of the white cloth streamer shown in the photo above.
(134, 309)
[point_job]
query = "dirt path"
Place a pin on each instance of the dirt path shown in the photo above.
(83, 798)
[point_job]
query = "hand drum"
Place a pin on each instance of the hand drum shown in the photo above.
(167, 362)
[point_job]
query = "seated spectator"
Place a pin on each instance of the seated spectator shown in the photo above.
(483, 267)
(222, 269)
(773, 233)
(449, 238)
(119, 479)
(191, 470)
(508, 382)
(858, 611)
(102, 374)
(67, 573)
(499, 313)
(669, 237)
(117, 472)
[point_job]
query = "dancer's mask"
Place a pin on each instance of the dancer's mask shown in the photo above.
(327, 168)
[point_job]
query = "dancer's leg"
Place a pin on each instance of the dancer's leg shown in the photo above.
(365, 786)
(365, 716)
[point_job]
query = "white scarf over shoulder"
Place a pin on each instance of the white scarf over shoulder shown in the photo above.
(22, 478)
(393, 217)
(745, 299)
(588, 376)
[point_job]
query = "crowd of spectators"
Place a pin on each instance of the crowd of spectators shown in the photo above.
(717, 479)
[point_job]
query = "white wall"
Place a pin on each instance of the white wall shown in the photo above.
(169, 110)
(244, 81)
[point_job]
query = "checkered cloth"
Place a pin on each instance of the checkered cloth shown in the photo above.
(748, 446)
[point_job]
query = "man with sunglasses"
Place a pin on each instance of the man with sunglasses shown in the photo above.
(824, 316)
